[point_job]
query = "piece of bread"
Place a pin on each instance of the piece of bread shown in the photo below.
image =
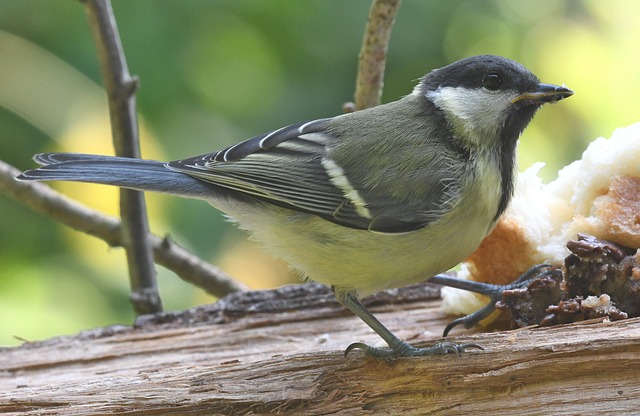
(597, 195)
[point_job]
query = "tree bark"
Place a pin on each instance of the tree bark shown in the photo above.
(281, 352)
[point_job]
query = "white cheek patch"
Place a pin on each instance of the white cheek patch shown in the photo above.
(474, 110)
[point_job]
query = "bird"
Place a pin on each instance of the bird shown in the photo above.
(363, 201)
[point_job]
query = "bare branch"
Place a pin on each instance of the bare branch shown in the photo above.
(43, 199)
(373, 54)
(120, 87)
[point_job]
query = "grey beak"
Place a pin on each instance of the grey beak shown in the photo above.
(545, 93)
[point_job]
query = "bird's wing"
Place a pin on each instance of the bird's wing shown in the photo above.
(289, 167)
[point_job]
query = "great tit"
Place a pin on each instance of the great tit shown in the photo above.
(363, 201)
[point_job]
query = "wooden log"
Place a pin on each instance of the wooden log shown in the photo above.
(281, 352)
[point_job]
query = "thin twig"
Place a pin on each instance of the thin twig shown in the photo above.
(120, 88)
(373, 54)
(43, 199)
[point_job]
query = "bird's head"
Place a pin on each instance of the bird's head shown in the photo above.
(487, 99)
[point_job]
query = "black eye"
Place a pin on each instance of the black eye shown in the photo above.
(491, 81)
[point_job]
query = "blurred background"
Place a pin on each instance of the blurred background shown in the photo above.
(214, 73)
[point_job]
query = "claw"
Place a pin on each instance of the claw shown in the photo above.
(453, 324)
(470, 320)
(356, 345)
(447, 347)
(469, 346)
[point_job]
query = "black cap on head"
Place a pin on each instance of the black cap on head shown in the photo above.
(483, 71)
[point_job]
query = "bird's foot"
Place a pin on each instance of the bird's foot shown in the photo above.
(402, 349)
(494, 292)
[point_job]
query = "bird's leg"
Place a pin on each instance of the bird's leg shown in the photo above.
(494, 292)
(397, 347)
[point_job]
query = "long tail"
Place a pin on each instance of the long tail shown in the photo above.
(139, 174)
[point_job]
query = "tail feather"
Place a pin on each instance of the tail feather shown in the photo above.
(138, 174)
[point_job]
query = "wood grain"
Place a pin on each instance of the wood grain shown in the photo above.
(281, 352)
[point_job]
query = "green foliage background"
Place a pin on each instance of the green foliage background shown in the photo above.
(216, 72)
